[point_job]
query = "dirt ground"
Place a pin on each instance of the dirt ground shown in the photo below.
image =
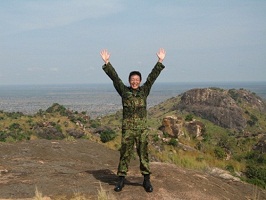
(58, 169)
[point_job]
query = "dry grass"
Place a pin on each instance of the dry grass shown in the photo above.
(102, 195)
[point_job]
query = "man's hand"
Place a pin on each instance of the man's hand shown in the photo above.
(105, 56)
(161, 55)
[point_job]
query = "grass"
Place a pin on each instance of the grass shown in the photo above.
(101, 195)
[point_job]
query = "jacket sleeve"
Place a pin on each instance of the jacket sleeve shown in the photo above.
(152, 77)
(117, 82)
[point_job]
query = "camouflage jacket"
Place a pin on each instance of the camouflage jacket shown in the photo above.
(134, 101)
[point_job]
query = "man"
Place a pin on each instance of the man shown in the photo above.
(134, 126)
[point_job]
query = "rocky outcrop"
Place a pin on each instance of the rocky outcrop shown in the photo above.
(215, 105)
(195, 128)
(175, 127)
(172, 125)
(248, 98)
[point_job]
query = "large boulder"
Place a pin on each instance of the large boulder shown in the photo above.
(172, 125)
(175, 127)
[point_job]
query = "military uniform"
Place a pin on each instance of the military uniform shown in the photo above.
(134, 124)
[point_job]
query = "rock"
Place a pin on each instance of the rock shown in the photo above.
(195, 128)
(49, 133)
(75, 133)
(172, 125)
(223, 174)
(215, 105)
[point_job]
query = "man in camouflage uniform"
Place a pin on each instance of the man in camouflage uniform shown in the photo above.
(134, 126)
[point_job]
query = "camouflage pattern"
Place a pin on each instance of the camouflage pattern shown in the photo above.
(134, 101)
(129, 137)
(134, 124)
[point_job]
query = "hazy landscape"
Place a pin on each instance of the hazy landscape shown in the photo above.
(52, 144)
(98, 99)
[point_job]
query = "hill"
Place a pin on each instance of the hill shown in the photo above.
(210, 127)
(62, 169)
(208, 134)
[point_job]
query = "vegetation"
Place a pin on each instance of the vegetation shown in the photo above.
(107, 135)
(102, 195)
(231, 150)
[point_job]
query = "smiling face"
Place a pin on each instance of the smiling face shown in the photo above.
(134, 81)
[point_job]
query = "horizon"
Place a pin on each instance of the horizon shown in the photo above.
(126, 83)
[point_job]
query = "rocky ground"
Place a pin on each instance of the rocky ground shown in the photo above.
(59, 169)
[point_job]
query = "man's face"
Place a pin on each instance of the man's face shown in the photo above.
(134, 81)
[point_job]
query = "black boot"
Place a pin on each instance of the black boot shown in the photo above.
(147, 183)
(120, 184)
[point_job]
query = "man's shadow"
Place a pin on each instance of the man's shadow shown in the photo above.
(107, 176)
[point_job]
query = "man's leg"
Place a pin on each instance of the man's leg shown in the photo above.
(142, 148)
(127, 144)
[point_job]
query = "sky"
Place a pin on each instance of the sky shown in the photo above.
(59, 41)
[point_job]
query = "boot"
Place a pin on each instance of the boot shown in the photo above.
(120, 184)
(147, 184)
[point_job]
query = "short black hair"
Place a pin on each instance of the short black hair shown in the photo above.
(134, 73)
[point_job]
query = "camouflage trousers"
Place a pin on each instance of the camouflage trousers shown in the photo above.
(129, 139)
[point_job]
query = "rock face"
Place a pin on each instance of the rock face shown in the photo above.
(215, 105)
(248, 98)
(175, 126)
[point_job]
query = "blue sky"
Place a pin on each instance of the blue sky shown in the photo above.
(59, 41)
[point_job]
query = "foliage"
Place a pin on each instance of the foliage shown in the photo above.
(189, 117)
(107, 135)
(256, 175)
(173, 142)
(95, 123)
(219, 153)
(57, 108)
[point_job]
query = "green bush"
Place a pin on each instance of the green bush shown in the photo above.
(189, 117)
(155, 138)
(15, 135)
(57, 108)
(256, 175)
(107, 135)
(3, 136)
(219, 153)
(95, 123)
(173, 142)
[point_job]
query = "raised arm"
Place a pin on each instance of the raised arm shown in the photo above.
(105, 56)
(155, 71)
(161, 55)
(110, 71)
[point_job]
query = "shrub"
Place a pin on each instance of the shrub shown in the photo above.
(95, 123)
(155, 138)
(256, 175)
(14, 126)
(219, 153)
(173, 142)
(107, 135)
(3, 136)
(189, 117)
(57, 108)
